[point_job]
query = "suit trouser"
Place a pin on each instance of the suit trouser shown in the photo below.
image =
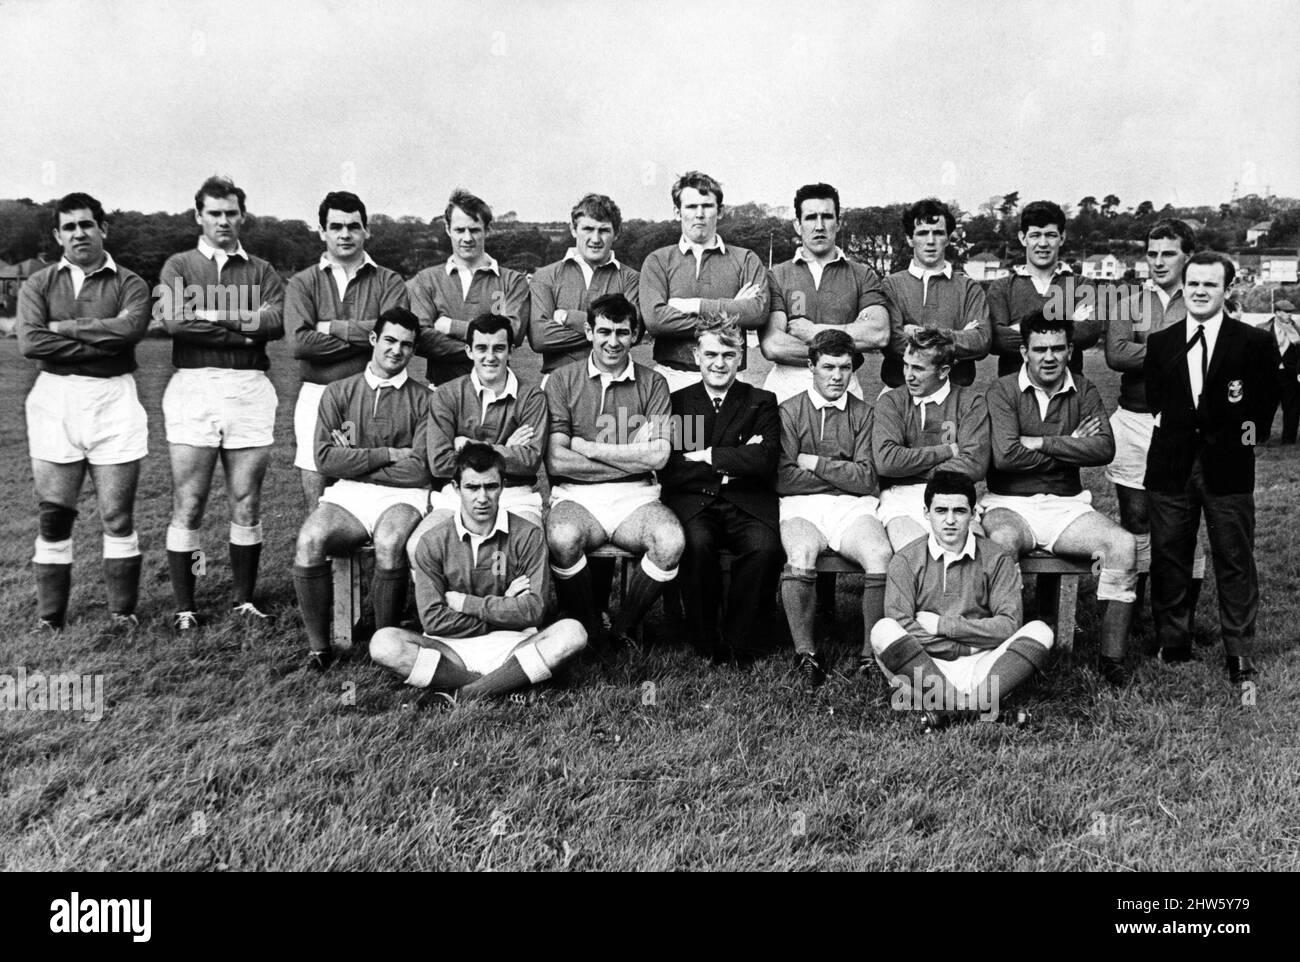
(755, 569)
(1230, 524)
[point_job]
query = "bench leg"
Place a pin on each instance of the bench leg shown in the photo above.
(1066, 600)
(346, 575)
(1047, 594)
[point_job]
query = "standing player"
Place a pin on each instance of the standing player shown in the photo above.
(1156, 306)
(697, 277)
(1210, 380)
(719, 483)
(331, 309)
(487, 406)
(79, 320)
(828, 496)
(448, 296)
(929, 424)
(481, 583)
(609, 423)
(219, 403)
(561, 293)
(930, 294)
(370, 435)
(1042, 284)
(1046, 424)
(819, 289)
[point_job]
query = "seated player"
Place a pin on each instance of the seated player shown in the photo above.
(490, 406)
(80, 320)
(929, 294)
(482, 602)
(370, 436)
(952, 631)
(828, 495)
(1045, 424)
(720, 483)
(928, 424)
(609, 432)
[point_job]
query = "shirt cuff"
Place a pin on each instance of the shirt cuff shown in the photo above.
(474, 606)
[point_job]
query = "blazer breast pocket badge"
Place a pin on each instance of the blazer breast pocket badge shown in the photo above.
(1234, 392)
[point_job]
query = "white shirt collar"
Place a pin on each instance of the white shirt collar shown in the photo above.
(511, 388)
(937, 550)
(629, 372)
(938, 397)
(210, 252)
(920, 273)
(685, 246)
(1025, 384)
(1160, 292)
(572, 255)
(819, 402)
(327, 264)
(488, 264)
(802, 255)
(1211, 326)
(1022, 270)
(108, 265)
(375, 383)
(502, 524)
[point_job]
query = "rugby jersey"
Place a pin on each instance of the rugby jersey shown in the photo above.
(373, 420)
(457, 410)
(948, 301)
(563, 286)
(839, 433)
(905, 451)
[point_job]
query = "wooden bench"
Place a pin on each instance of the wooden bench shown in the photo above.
(345, 571)
(1057, 590)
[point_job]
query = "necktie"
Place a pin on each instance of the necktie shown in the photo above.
(717, 405)
(1205, 361)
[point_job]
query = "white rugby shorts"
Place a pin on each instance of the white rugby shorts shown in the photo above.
(217, 407)
(831, 514)
(72, 418)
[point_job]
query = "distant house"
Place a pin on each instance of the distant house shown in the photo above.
(1103, 267)
(1279, 268)
(986, 267)
(1141, 269)
(1257, 232)
(1247, 265)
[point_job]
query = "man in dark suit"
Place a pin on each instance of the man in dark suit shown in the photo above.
(1210, 382)
(720, 481)
(1287, 335)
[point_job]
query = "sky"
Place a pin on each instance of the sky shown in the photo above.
(532, 104)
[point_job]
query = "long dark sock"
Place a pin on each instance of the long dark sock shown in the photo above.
(1115, 626)
(908, 657)
(180, 565)
(243, 570)
(53, 587)
(826, 595)
(388, 595)
(500, 681)
(799, 595)
(122, 583)
(575, 598)
(873, 606)
(602, 581)
(642, 590)
(1017, 665)
(315, 590)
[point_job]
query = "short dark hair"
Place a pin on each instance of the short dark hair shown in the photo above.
(399, 316)
(939, 344)
(1040, 323)
(815, 192)
(218, 188)
(696, 180)
(949, 482)
(832, 343)
(475, 207)
(1213, 257)
(1042, 213)
(597, 207)
(342, 200)
(615, 308)
(926, 210)
(487, 325)
(78, 201)
(1171, 228)
(479, 457)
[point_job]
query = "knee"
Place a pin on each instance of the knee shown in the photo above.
(1003, 537)
(245, 508)
(877, 557)
(884, 633)
(801, 554)
(570, 637)
(565, 542)
(386, 646)
(667, 545)
(1121, 550)
(390, 549)
(55, 521)
(118, 523)
(311, 544)
(1038, 632)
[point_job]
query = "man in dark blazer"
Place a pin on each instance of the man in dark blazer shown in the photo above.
(1210, 382)
(720, 481)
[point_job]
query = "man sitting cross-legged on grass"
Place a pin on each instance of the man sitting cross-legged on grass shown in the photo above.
(490, 406)
(1045, 425)
(951, 638)
(928, 424)
(481, 582)
(370, 435)
(610, 429)
(828, 494)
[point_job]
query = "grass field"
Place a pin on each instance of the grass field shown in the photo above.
(222, 753)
